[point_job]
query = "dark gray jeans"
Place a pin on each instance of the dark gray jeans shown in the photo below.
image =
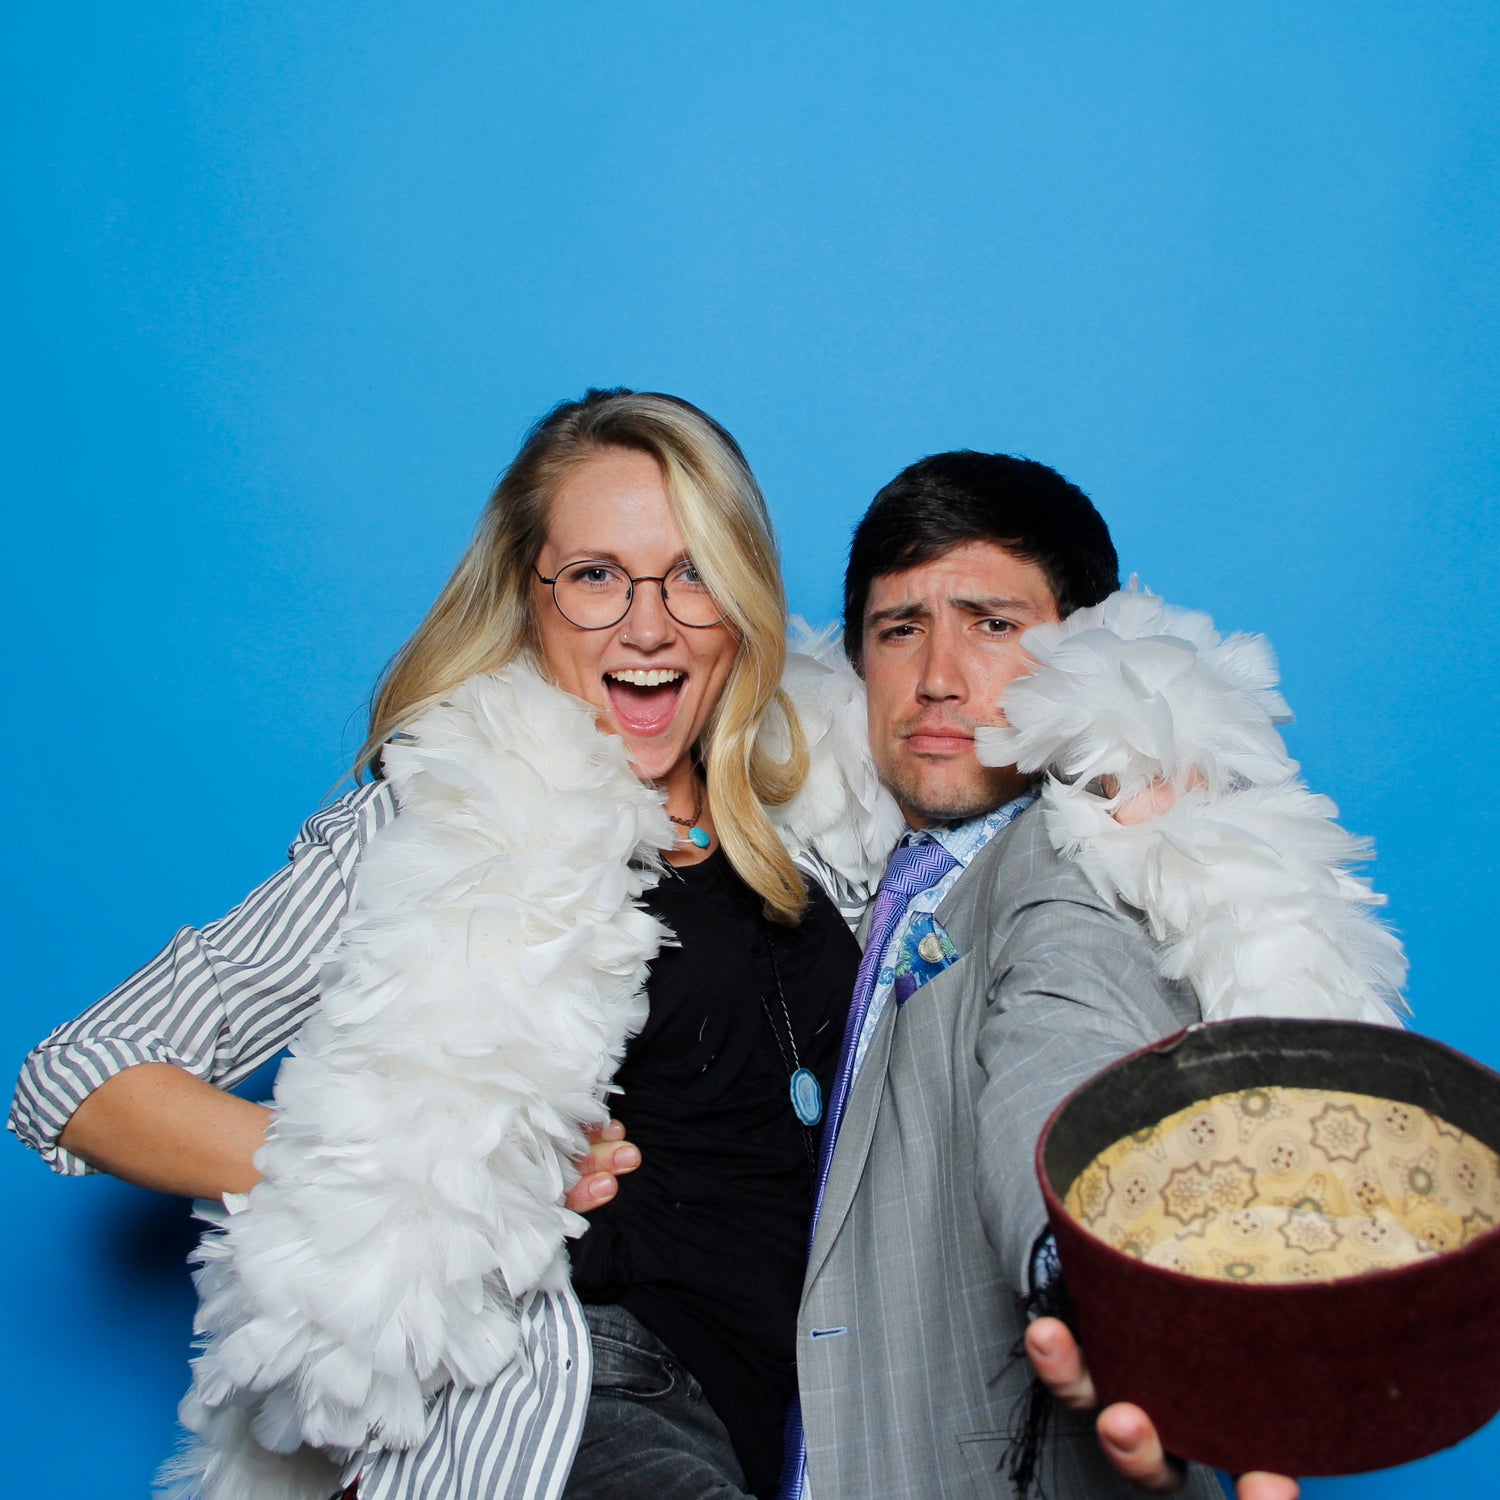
(649, 1433)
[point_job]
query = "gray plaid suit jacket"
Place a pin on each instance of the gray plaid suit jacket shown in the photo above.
(910, 1314)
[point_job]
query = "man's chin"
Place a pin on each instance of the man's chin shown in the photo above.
(924, 799)
(944, 812)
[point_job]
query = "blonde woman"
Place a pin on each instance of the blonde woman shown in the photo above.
(565, 872)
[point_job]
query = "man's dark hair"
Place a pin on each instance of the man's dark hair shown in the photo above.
(942, 502)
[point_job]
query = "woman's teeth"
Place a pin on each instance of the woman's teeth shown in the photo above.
(637, 678)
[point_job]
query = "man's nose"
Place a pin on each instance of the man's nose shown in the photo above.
(941, 678)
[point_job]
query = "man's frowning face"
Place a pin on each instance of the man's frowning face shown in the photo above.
(941, 641)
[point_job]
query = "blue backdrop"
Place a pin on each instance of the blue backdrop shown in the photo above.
(286, 284)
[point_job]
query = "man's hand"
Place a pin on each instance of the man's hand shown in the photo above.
(1158, 798)
(1126, 1433)
(609, 1156)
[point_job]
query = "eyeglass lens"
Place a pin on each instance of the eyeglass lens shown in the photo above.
(596, 594)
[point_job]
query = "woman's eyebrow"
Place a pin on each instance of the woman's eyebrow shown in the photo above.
(603, 554)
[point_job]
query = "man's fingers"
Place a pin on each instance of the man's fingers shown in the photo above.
(1158, 798)
(609, 1156)
(608, 1152)
(605, 1161)
(1129, 1439)
(1127, 1435)
(1258, 1486)
(590, 1191)
(1057, 1359)
(615, 1157)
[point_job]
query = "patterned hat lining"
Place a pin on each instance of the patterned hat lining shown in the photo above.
(1227, 1056)
(1278, 1184)
(1355, 1383)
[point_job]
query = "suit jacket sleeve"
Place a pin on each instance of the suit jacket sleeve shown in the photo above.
(1072, 986)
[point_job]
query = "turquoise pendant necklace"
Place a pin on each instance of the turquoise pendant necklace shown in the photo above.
(698, 837)
(806, 1093)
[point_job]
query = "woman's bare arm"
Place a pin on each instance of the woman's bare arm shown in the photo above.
(161, 1127)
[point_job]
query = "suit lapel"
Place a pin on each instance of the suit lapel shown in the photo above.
(855, 1133)
(962, 912)
(862, 1113)
(961, 915)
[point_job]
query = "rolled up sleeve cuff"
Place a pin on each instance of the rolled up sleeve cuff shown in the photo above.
(57, 1078)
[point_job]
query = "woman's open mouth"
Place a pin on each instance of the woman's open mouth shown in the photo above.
(643, 700)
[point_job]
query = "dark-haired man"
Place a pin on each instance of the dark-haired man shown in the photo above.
(995, 979)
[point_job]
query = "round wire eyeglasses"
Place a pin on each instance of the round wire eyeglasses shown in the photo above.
(593, 595)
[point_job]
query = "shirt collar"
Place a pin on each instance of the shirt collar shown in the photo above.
(965, 838)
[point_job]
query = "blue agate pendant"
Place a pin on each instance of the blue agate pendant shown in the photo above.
(698, 837)
(807, 1098)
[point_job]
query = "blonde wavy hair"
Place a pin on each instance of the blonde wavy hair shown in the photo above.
(485, 615)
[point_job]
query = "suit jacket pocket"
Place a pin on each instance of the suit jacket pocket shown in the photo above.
(982, 1458)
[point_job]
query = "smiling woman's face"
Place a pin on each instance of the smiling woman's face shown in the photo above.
(654, 681)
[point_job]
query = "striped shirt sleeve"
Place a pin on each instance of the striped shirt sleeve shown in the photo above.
(851, 899)
(217, 1001)
(513, 1439)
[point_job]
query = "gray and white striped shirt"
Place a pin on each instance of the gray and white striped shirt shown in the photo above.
(222, 1000)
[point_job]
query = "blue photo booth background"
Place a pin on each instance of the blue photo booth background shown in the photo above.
(286, 285)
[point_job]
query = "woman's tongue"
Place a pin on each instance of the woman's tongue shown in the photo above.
(642, 710)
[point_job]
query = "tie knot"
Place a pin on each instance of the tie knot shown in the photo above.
(915, 867)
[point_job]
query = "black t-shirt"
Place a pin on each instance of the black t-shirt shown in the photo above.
(706, 1242)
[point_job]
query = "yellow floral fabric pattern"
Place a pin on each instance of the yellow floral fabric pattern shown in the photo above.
(1280, 1184)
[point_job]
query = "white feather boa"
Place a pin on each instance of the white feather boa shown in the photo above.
(842, 822)
(472, 1014)
(1245, 881)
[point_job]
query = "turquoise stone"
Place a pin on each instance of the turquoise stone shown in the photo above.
(807, 1098)
(699, 836)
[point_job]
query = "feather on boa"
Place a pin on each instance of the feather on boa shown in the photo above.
(480, 994)
(842, 818)
(472, 1014)
(1245, 881)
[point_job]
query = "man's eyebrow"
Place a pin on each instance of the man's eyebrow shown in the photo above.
(910, 610)
(986, 604)
(995, 604)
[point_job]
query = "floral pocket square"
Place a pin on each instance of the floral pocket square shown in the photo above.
(925, 951)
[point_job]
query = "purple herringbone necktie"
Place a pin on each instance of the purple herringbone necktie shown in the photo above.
(913, 868)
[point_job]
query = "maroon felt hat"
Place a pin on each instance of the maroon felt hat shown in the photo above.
(1241, 1344)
